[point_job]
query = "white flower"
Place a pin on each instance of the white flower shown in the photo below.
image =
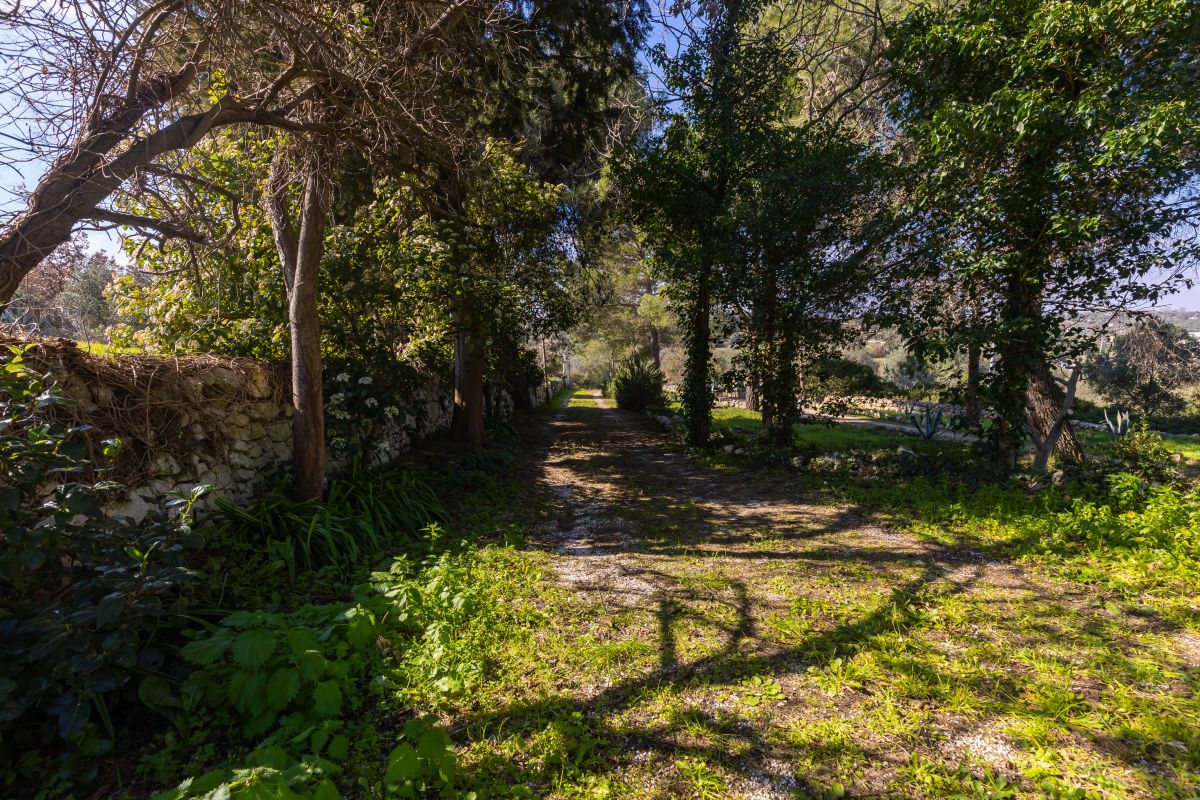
(391, 411)
(337, 442)
(371, 402)
(364, 380)
(343, 376)
(337, 398)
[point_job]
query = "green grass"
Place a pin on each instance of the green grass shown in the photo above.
(586, 398)
(560, 397)
(833, 438)
(1003, 644)
(105, 349)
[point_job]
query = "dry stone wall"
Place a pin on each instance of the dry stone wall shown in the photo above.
(209, 420)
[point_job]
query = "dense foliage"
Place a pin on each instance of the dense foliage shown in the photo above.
(85, 594)
(1053, 159)
(910, 238)
(1146, 367)
(636, 385)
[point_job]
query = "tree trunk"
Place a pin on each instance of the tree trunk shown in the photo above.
(470, 361)
(971, 404)
(300, 259)
(697, 393)
(655, 347)
(751, 402)
(1048, 410)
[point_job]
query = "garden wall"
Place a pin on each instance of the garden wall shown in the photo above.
(208, 420)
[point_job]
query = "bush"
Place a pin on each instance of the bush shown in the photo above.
(82, 594)
(841, 377)
(290, 685)
(1143, 453)
(636, 386)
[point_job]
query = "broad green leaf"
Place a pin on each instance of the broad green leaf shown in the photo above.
(403, 765)
(326, 791)
(252, 648)
(205, 652)
(327, 699)
(339, 748)
(283, 688)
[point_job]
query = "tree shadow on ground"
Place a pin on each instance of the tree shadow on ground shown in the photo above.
(659, 507)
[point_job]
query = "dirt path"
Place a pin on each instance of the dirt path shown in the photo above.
(724, 637)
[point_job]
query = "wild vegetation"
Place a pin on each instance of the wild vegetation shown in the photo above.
(813, 423)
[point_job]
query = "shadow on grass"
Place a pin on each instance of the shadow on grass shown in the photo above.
(675, 507)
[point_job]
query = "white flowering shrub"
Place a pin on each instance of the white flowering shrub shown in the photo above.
(363, 416)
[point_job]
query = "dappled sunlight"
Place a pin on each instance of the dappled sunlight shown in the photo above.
(721, 629)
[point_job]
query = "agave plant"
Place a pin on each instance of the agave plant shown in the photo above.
(1118, 427)
(928, 424)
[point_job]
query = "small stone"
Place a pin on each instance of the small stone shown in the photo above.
(164, 464)
(258, 383)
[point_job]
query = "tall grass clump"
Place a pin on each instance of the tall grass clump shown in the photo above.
(360, 516)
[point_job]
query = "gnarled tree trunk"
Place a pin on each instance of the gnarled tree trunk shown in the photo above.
(1048, 417)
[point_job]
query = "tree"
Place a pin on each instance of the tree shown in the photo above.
(804, 279)
(1145, 366)
(148, 81)
(329, 74)
(565, 96)
(750, 194)
(631, 314)
(679, 186)
(65, 294)
(1052, 147)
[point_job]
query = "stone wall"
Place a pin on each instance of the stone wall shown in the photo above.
(208, 420)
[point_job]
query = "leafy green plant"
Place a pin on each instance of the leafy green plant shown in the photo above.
(635, 385)
(82, 593)
(362, 514)
(1143, 452)
(706, 783)
(286, 682)
(759, 690)
(424, 761)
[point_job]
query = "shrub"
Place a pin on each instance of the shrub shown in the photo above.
(635, 385)
(82, 593)
(1142, 452)
(841, 377)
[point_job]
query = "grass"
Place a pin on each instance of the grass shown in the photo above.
(891, 669)
(1098, 441)
(847, 436)
(586, 398)
(994, 644)
(834, 437)
(106, 349)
